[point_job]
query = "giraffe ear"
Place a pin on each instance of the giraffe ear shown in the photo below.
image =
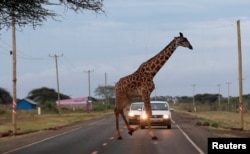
(181, 35)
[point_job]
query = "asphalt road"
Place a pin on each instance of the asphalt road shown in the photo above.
(98, 137)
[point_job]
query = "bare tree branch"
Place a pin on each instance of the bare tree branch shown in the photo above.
(35, 12)
(80, 5)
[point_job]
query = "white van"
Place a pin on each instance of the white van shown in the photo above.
(161, 115)
(135, 112)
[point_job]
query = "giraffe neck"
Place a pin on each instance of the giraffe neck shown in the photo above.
(153, 65)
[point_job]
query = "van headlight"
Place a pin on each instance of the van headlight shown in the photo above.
(144, 116)
(130, 114)
(166, 116)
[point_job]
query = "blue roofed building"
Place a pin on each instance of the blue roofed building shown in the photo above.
(26, 104)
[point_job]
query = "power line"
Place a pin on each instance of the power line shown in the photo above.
(67, 65)
(20, 54)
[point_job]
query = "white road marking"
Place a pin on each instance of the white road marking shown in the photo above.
(188, 138)
(95, 152)
(95, 122)
(52, 137)
(41, 140)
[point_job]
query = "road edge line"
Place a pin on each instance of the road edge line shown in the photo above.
(22, 147)
(189, 139)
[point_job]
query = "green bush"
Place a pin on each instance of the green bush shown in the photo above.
(98, 107)
(215, 125)
(49, 108)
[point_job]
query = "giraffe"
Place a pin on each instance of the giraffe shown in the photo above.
(140, 84)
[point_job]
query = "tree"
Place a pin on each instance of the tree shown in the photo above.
(5, 97)
(102, 91)
(44, 94)
(35, 12)
(210, 98)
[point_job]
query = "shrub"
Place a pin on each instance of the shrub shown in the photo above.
(215, 125)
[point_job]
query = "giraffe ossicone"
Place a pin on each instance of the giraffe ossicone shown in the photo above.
(141, 84)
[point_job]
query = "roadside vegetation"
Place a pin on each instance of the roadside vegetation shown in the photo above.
(30, 121)
(218, 111)
(207, 108)
(218, 119)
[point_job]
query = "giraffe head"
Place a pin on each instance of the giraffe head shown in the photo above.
(182, 41)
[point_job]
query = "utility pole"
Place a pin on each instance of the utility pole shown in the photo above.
(219, 95)
(14, 78)
(105, 91)
(155, 94)
(194, 97)
(89, 71)
(228, 92)
(57, 79)
(89, 97)
(240, 75)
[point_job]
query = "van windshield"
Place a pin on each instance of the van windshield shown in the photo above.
(159, 106)
(136, 106)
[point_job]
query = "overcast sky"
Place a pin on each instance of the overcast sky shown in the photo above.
(129, 33)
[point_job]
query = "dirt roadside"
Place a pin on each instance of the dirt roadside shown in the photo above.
(198, 134)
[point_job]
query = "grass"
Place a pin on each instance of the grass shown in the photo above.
(222, 119)
(30, 122)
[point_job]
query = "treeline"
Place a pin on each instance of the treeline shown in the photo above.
(201, 98)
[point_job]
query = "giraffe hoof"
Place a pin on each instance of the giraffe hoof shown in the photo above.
(130, 133)
(119, 138)
(154, 138)
(131, 130)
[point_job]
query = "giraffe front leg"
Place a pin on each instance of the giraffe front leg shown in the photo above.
(118, 134)
(153, 137)
(130, 130)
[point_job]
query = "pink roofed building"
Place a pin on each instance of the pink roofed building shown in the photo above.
(76, 103)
